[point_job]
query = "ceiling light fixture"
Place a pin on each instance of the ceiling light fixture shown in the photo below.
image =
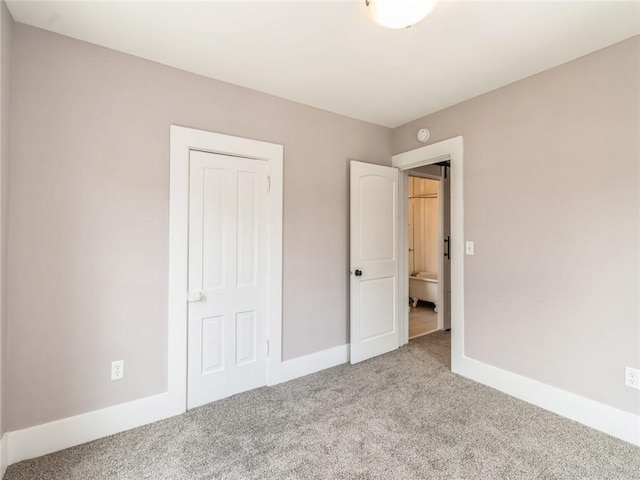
(399, 13)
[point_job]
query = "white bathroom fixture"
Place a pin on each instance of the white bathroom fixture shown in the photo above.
(424, 286)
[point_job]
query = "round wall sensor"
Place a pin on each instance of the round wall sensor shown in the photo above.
(423, 135)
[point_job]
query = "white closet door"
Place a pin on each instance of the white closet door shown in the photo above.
(227, 313)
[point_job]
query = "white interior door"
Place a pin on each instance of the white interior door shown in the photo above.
(227, 313)
(374, 260)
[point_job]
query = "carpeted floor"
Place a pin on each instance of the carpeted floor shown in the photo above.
(403, 415)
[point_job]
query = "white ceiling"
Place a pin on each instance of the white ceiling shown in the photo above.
(329, 55)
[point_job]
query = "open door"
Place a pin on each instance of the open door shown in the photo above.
(374, 260)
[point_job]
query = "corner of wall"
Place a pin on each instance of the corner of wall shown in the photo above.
(4, 454)
(68, 432)
(6, 31)
(597, 415)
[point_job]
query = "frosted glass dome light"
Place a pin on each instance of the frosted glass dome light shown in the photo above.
(399, 13)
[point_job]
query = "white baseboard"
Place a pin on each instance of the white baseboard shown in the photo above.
(312, 363)
(4, 458)
(607, 419)
(58, 435)
(50, 437)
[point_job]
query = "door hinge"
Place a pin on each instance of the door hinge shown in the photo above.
(268, 184)
(267, 348)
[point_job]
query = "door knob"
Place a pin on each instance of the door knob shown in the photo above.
(194, 297)
(358, 273)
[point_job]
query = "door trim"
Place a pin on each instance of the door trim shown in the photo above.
(452, 150)
(183, 140)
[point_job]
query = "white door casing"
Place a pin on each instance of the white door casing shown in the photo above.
(183, 142)
(374, 260)
(452, 150)
(227, 332)
(444, 289)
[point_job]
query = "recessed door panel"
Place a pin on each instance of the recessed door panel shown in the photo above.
(376, 309)
(247, 228)
(377, 217)
(213, 230)
(212, 344)
(245, 338)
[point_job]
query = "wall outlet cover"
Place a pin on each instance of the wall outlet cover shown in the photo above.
(117, 370)
(632, 377)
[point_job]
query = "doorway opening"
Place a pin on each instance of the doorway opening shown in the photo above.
(451, 151)
(428, 237)
(423, 239)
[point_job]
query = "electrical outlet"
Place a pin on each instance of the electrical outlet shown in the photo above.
(117, 370)
(632, 377)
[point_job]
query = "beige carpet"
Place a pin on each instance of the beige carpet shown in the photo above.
(403, 415)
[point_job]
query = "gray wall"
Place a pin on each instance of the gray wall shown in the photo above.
(6, 29)
(88, 236)
(551, 199)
